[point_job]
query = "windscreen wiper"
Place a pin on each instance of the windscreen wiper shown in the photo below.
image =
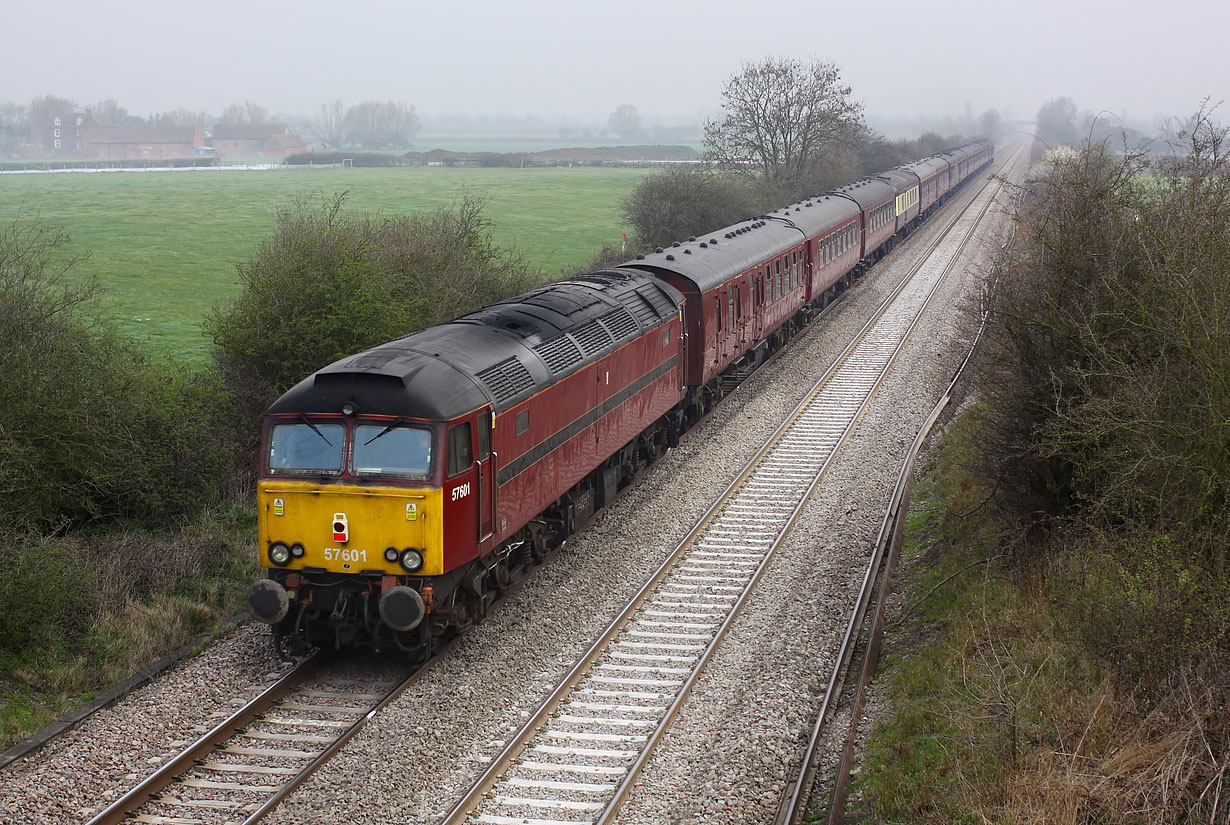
(383, 432)
(304, 419)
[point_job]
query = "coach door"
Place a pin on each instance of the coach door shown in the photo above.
(484, 464)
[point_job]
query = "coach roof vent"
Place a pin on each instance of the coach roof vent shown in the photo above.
(670, 257)
(692, 238)
(658, 250)
(640, 256)
(675, 244)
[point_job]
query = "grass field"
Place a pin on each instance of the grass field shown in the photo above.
(164, 244)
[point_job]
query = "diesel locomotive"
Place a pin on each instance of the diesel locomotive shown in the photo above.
(403, 488)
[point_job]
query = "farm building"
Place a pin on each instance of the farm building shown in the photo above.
(257, 140)
(144, 142)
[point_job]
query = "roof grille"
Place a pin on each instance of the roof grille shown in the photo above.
(621, 323)
(644, 310)
(559, 354)
(592, 337)
(506, 379)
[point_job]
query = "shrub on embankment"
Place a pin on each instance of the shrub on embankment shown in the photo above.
(92, 428)
(1071, 563)
(326, 284)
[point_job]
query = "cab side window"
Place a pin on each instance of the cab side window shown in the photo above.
(460, 449)
(484, 435)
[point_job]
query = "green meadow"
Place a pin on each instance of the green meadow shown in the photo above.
(164, 244)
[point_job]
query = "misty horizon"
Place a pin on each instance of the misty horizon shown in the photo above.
(564, 64)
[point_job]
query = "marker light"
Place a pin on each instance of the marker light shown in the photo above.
(340, 531)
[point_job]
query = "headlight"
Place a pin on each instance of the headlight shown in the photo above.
(279, 554)
(296, 550)
(412, 560)
(390, 555)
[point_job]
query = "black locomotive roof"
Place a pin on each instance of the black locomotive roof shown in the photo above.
(499, 355)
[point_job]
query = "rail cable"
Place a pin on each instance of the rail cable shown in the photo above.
(579, 754)
(795, 798)
(253, 759)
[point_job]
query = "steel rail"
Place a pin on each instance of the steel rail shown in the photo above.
(145, 791)
(794, 800)
(517, 744)
(124, 808)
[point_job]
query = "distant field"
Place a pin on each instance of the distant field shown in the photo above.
(164, 244)
(541, 143)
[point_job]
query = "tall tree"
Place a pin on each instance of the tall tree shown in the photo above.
(110, 111)
(42, 111)
(990, 124)
(376, 125)
(1057, 121)
(14, 126)
(331, 125)
(625, 121)
(780, 115)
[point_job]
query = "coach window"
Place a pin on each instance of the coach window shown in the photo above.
(730, 302)
(523, 422)
(739, 302)
(717, 306)
(460, 449)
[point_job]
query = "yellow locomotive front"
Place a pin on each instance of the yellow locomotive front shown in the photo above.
(350, 529)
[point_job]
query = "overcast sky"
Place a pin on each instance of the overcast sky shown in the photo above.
(580, 59)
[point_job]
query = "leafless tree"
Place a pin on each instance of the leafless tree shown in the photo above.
(780, 116)
(1057, 121)
(14, 126)
(625, 121)
(110, 112)
(244, 114)
(331, 125)
(185, 117)
(376, 125)
(42, 110)
(990, 124)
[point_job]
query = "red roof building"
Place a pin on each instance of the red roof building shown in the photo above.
(257, 140)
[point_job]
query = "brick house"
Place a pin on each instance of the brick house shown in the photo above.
(70, 134)
(257, 140)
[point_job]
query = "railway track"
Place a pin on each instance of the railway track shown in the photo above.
(247, 763)
(579, 754)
